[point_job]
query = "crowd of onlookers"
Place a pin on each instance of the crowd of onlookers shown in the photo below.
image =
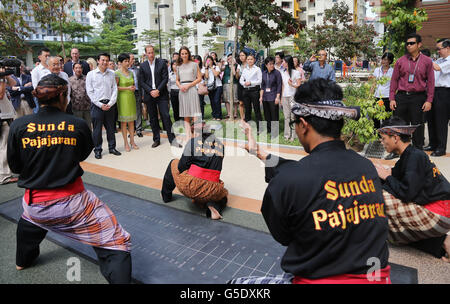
(125, 93)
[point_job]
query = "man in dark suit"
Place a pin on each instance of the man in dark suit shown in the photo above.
(21, 96)
(68, 67)
(153, 78)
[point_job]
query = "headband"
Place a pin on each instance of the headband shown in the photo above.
(328, 109)
(398, 130)
(47, 92)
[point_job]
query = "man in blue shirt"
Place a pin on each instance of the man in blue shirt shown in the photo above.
(319, 68)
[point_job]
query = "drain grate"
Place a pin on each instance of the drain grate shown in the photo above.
(375, 150)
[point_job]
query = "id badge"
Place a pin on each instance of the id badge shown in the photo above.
(411, 78)
(268, 90)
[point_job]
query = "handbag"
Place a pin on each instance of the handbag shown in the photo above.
(202, 89)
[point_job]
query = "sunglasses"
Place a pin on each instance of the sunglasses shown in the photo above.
(410, 43)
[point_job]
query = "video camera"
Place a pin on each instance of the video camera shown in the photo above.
(7, 112)
(12, 63)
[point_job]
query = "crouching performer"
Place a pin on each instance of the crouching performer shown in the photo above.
(46, 150)
(197, 173)
(326, 208)
(416, 194)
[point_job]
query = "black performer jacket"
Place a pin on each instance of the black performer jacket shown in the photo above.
(416, 179)
(205, 151)
(328, 209)
(46, 148)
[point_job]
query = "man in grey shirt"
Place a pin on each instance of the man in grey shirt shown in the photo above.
(319, 67)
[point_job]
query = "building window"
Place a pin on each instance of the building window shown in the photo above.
(285, 5)
(156, 20)
(134, 22)
(133, 7)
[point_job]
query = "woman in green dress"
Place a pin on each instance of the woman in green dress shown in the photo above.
(126, 102)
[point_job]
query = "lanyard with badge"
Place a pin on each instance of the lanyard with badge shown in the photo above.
(411, 76)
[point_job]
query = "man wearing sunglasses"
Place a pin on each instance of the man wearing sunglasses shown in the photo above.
(412, 87)
(439, 114)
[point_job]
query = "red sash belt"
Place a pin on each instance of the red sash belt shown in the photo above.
(43, 195)
(208, 174)
(439, 207)
(349, 278)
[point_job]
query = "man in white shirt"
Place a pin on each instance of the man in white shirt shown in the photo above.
(251, 78)
(440, 111)
(40, 71)
(54, 67)
(101, 88)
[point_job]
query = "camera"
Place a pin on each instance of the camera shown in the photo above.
(12, 63)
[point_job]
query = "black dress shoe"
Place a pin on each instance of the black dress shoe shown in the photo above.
(98, 155)
(156, 143)
(115, 152)
(438, 153)
(429, 148)
(391, 156)
(139, 134)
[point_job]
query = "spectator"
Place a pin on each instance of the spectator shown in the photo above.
(126, 102)
(211, 73)
(174, 91)
(81, 104)
(92, 64)
(230, 101)
(20, 93)
(291, 81)
(251, 78)
(75, 58)
(188, 76)
(101, 88)
(199, 61)
(440, 112)
(270, 96)
(137, 95)
(319, 67)
(412, 87)
(279, 56)
(40, 71)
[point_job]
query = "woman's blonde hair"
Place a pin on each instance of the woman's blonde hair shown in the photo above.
(92, 63)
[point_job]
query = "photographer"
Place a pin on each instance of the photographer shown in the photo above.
(20, 93)
(6, 176)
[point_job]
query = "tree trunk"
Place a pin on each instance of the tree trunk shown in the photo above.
(232, 74)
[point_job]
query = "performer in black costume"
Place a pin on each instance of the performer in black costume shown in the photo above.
(197, 173)
(327, 208)
(416, 194)
(46, 150)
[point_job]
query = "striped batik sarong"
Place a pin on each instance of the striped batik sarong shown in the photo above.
(410, 222)
(81, 217)
(285, 278)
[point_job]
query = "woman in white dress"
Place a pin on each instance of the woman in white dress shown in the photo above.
(188, 76)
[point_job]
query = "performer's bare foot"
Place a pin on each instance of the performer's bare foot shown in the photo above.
(127, 148)
(215, 215)
(446, 258)
(19, 268)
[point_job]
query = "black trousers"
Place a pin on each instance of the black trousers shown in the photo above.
(175, 102)
(138, 121)
(409, 108)
(115, 265)
(202, 104)
(251, 98)
(438, 119)
(152, 107)
(107, 119)
(271, 113)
